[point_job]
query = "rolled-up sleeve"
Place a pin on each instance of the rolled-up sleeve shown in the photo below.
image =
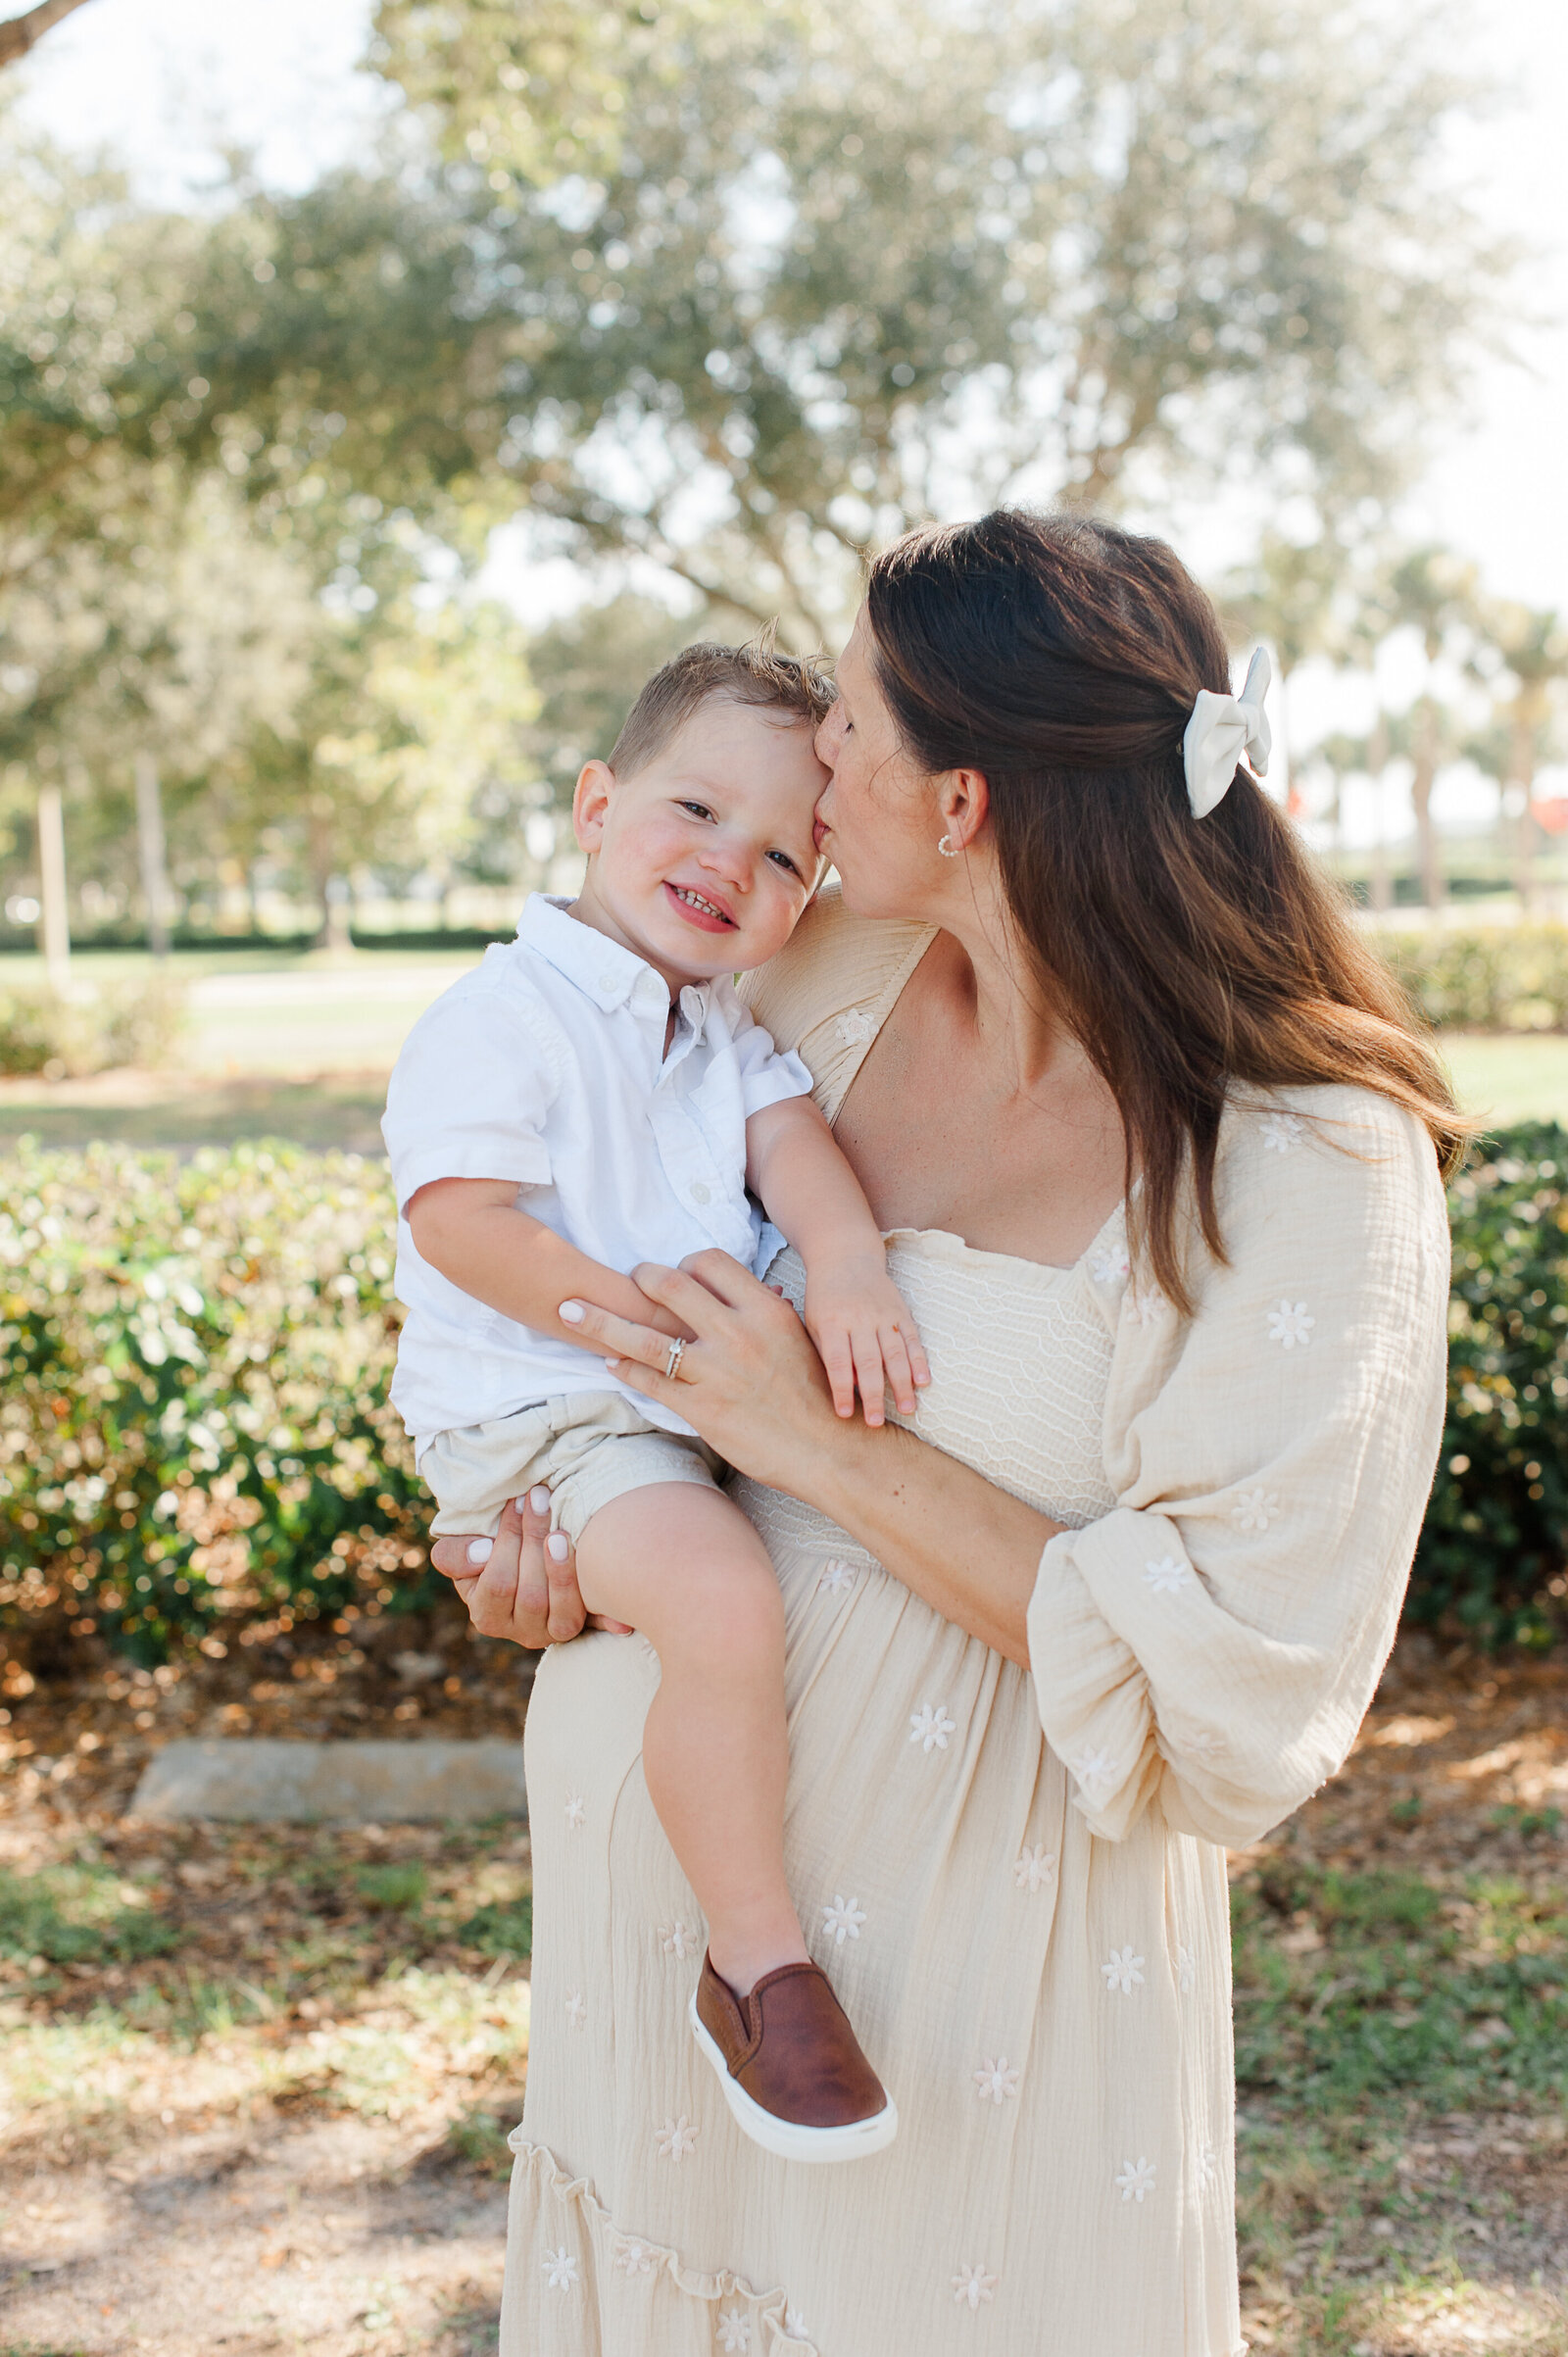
(471, 1095)
(1213, 1642)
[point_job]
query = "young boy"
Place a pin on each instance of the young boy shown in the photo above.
(591, 1097)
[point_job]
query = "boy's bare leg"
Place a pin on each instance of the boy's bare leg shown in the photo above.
(685, 1567)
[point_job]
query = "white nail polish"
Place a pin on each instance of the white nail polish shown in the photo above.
(571, 1313)
(539, 1500)
(481, 1549)
(556, 1546)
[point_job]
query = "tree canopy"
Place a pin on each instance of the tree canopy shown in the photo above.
(731, 289)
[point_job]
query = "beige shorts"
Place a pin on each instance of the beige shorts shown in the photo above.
(587, 1447)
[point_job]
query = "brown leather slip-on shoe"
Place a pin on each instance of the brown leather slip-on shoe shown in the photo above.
(791, 2067)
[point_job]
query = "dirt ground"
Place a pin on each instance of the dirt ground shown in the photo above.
(256, 2082)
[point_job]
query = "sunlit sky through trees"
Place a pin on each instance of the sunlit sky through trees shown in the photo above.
(168, 84)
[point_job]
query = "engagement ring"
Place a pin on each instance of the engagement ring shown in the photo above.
(673, 1363)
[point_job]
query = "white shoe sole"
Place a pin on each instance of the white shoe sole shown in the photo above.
(788, 2139)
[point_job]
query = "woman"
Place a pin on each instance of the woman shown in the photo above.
(1158, 1157)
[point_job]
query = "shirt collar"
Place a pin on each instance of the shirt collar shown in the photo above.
(600, 968)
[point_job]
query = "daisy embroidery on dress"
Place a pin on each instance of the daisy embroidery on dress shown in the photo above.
(996, 2080)
(974, 2285)
(1289, 1326)
(677, 1941)
(1167, 1575)
(574, 1813)
(930, 1726)
(796, 2327)
(1124, 1970)
(560, 2270)
(843, 1919)
(1110, 1264)
(635, 2257)
(1147, 1304)
(576, 2010)
(836, 1578)
(1136, 2180)
(1256, 1510)
(1281, 1132)
(1207, 2167)
(734, 2332)
(1094, 1769)
(1186, 1971)
(855, 1026)
(675, 2139)
(1033, 1868)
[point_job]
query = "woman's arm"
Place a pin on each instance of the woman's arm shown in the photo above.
(752, 1386)
(1216, 1639)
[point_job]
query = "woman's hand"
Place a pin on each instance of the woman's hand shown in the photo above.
(749, 1381)
(522, 1585)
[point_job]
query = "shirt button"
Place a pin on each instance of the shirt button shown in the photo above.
(699, 1192)
(607, 982)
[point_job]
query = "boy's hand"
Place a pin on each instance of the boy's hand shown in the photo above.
(864, 1335)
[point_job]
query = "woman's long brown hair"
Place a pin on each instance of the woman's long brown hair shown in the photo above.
(1061, 658)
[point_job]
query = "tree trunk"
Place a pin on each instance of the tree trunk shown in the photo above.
(154, 857)
(332, 888)
(1526, 835)
(1382, 886)
(1428, 850)
(20, 34)
(54, 930)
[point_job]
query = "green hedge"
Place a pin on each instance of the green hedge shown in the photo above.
(195, 1434)
(196, 1442)
(1495, 1539)
(1503, 978)
(65, 1037)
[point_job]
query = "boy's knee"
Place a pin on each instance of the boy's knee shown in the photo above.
(733, 1608)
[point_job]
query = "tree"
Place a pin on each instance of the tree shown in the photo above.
(1435, 593)
(21, 34)
(771, 282)
(411, 730)
(193, 570)
(1298, 596)
(1528, 667)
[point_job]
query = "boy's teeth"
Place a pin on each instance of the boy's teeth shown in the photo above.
(683, 893)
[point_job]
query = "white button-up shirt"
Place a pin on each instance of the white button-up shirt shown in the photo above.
(546, 1066)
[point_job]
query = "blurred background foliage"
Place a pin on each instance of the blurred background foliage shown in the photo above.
(707, 296)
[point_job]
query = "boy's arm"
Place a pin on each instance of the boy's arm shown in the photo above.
(470, 1231)
(794, 1167)
(854, 1313)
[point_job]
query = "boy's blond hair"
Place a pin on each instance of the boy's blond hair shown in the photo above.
(757, 673)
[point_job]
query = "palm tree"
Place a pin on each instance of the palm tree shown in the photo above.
(1528, 650)
(1435, 593)
(1297, 598)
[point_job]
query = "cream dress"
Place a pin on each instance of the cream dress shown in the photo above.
(1014, 1879)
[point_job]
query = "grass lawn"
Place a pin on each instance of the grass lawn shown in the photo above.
(296, 1062)
(1517, 1076)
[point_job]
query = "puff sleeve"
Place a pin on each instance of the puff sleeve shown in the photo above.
(1212, 1645)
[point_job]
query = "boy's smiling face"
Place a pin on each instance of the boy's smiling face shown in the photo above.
(702, 862)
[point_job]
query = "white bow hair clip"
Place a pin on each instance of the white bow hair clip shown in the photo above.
(1221, 730)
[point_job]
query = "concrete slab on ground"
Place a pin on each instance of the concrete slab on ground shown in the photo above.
(280, 1782)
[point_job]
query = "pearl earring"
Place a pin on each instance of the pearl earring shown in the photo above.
(947, 848)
